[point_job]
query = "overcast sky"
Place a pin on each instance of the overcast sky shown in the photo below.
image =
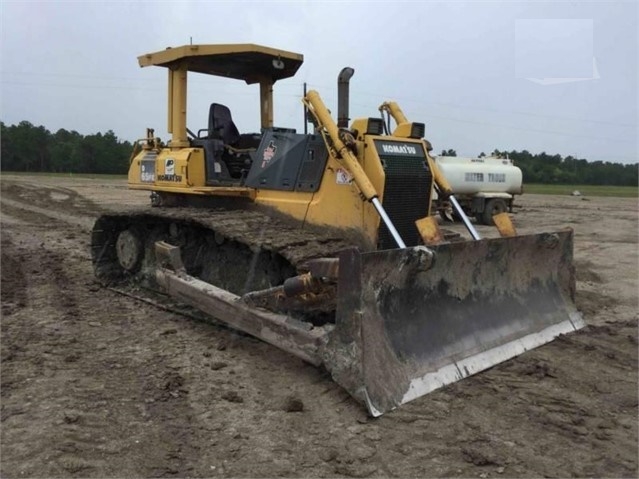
(559, 77)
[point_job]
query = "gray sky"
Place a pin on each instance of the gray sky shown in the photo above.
(559, 77)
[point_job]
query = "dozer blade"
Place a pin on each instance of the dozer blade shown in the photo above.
(409, 322)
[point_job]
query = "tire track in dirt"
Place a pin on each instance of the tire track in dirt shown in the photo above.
(86, 223)
(71, 371)
(35, 194)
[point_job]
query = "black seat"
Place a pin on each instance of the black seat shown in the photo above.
(221, 124)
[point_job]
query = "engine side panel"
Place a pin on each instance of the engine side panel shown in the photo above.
(288, 161)
(177, 168)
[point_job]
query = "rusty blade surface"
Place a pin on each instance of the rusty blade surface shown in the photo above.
(406, 326)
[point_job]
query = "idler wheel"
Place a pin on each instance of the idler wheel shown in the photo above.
(128, 248)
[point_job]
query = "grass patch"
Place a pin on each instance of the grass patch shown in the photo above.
(65, 175)
(586, 190)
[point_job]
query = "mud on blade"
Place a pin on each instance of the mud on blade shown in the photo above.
(408, 323)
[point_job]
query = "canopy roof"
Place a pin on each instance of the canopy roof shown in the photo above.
(244, 61)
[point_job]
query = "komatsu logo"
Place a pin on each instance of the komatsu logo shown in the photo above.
(174, 178)
(398, 149)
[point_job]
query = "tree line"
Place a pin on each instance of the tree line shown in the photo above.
(555, 169)
(26, 147)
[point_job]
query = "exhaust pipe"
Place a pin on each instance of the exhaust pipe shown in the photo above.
(342, 96)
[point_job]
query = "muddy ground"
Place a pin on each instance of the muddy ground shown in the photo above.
(96, 384)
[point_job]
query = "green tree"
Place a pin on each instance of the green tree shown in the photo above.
(26, 147)
(546, 168)
(63, 144)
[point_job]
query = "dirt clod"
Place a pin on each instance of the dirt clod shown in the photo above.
(232, 396)
(71, 417)
(72, 358)
(293, 404)
(480, 455)
(173, 381)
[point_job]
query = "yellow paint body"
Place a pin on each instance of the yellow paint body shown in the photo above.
(352, 178)
(504, 225)
(429, 230)
(334, 204)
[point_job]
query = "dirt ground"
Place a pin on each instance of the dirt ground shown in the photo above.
(96, 384)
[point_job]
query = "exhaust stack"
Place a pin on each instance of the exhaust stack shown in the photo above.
(343, 80)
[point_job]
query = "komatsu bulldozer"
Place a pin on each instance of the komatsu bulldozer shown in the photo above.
(322, 243)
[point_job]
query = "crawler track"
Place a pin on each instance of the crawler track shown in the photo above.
(237, 250)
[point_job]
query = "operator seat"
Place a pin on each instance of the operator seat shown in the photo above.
(226, 157)
(221, 124)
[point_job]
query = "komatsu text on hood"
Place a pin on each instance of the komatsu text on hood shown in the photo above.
(398, 148)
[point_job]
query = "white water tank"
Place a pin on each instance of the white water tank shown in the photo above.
(469, 176)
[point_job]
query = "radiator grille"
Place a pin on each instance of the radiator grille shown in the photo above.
(406, 197)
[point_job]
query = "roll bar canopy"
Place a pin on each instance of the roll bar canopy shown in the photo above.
(244, 61)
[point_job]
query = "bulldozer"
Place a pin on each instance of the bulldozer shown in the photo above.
(323, 243)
